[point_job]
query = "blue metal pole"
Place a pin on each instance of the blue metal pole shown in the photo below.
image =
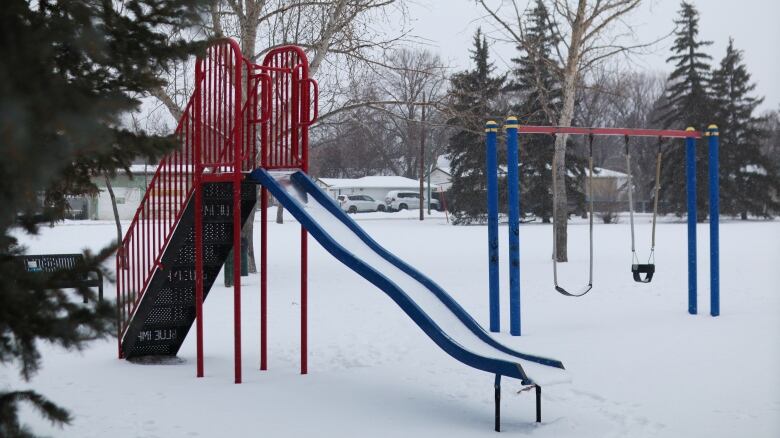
(714, 140)
(514, 225)
(690, 172)
(491, 134)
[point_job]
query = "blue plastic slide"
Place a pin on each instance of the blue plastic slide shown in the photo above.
(425, 302)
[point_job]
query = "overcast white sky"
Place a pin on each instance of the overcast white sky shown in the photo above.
(449, 25)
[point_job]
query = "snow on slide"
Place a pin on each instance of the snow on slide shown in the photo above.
(425, 302)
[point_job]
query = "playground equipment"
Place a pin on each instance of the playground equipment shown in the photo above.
(648, 269)
(512, 132)
(173, 250)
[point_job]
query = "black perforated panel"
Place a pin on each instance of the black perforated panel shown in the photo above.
(167, 309)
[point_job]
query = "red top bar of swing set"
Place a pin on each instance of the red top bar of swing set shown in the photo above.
(663, 133)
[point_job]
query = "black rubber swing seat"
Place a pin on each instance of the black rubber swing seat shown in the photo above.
(580, 293)
(648, 270)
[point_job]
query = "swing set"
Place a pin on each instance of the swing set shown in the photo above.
(641, 272)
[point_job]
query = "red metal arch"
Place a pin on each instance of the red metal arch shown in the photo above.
(285, 138)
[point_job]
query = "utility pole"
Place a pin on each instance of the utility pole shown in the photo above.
(421, 160)
(428, 192)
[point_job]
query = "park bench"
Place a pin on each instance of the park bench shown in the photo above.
(48, 263)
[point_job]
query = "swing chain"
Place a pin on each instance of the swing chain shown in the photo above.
(630, 189)
(658, 159)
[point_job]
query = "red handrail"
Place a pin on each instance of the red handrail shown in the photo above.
(173, 182)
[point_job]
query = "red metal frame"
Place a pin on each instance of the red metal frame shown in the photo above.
(219, 135)
(663, 133)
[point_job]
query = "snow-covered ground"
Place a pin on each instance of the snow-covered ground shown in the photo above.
(640, 365)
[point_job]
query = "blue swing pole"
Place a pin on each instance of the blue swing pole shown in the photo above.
(491, 134)
(690, 173)
(713, 138)
(513, 192)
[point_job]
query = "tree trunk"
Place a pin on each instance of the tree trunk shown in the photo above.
(248, 42)
(122, 258)
(560, 199)
(246, 233)
(570, 74)
(279, 214)
(329, 29)
(116, 211)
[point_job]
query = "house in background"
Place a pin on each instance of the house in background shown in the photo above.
(609, 190)
(440, 177)
(609, 186)
(128, 192)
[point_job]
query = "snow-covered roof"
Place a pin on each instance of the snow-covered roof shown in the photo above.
(150, 169)
(333, 182)
(753, 168)
(443, 164)
(607, 173)
(369, 182)
(598, 172)
(141, 168)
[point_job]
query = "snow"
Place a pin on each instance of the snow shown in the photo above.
(640, 365)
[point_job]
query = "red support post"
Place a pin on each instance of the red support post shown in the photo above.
(237, 275)
(198, 232)
(237, 158)
(304, 303)
(263, 278)
(119, 319)
(265, 132)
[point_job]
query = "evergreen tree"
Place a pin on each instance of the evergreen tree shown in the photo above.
(70, 70)
(686, 103)
(748, 177)
(536, 80)
(474, 93)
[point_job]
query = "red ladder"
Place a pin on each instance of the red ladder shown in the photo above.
(218, 131)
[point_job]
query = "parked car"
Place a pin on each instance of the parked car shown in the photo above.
(402, 200)
(356, 203)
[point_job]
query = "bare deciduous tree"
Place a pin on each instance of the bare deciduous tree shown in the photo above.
(381, 131)
(614, 97)
(586, 30)
(411, 74)
(771, 143)
(338, 35)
